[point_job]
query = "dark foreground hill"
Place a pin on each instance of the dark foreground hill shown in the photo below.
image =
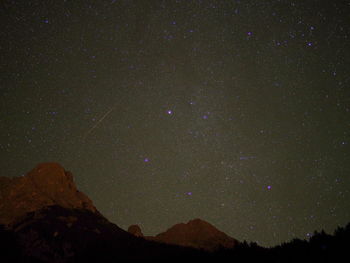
(56, 234)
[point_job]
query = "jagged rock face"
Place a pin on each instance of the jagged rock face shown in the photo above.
(135, 230)
(46, 185)
(196, 233)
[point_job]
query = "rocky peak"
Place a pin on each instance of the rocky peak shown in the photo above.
(46, 185)
(196, 233)
(135, 230)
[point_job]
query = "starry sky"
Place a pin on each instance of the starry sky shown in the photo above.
(235, 112)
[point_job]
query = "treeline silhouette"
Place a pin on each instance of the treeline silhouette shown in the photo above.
(321, 247)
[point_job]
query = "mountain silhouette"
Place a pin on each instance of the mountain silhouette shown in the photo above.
(44, 218)
(57, 234)
(196, 233)
(51, 221)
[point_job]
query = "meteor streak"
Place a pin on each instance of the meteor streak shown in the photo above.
(97, 123)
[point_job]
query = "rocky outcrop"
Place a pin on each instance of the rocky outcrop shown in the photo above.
(47, 184)
(196, 233)
(135, 230)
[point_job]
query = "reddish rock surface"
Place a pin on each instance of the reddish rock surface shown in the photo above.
(47, 184)
(196, 233)
(135, 230)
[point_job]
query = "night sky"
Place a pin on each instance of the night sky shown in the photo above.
(235, 112)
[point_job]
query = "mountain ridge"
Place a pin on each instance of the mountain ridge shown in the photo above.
(196, 233)
(46, 185)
